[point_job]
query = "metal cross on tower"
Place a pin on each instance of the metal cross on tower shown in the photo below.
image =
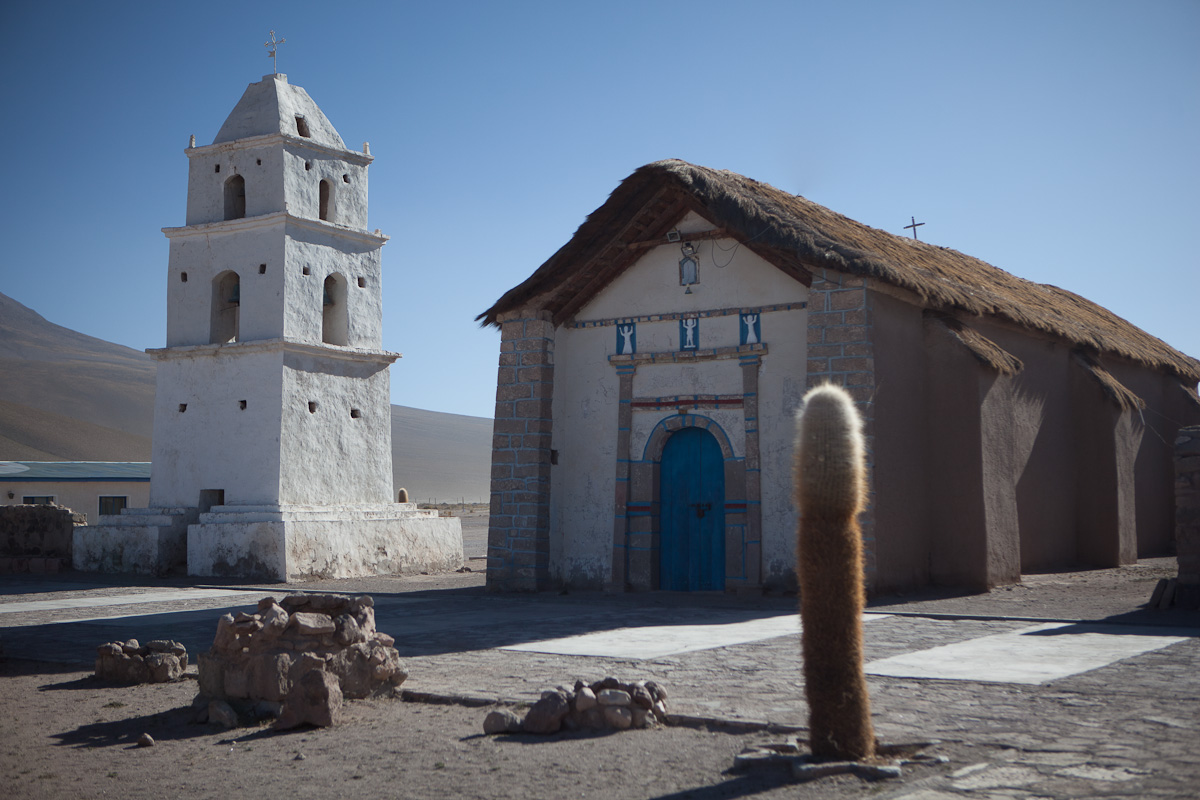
(914, 226)
(272, 48)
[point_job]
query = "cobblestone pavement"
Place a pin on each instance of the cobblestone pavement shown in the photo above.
(1128, 729)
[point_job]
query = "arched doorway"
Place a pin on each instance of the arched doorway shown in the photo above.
(692, 512)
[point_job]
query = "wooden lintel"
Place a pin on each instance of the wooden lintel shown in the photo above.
(719, 233)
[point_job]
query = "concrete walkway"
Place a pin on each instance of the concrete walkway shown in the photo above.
(1072, 691)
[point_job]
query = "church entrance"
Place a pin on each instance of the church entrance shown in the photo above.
(692, 512)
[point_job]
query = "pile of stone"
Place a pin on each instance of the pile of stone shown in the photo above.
(159, 661)
(604, 705)
(298, 657)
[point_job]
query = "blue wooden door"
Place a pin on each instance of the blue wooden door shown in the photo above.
(692, 512)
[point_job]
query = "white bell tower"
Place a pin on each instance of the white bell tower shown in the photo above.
(272, 419)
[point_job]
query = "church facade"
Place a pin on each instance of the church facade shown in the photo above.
(650, 371)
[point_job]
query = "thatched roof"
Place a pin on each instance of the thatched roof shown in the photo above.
(799, 236)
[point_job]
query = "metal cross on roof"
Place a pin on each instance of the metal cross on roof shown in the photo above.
(914, 226)
(273, 47)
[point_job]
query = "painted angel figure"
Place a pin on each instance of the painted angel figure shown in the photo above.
(689, 325)
(751, 336)
(626, 332)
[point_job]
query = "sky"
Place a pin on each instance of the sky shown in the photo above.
(1055, 140)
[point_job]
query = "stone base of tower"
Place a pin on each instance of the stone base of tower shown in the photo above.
(145, 541)
(288, 543)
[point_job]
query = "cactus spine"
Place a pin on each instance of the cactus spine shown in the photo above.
(830, 483)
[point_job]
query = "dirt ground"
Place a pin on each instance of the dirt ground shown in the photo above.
(65, 734)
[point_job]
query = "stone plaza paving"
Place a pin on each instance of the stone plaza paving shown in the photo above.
(1063, 687)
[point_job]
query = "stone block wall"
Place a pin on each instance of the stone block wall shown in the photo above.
(36, 538)
(519, 530)
(841, 352)
(1187, 516)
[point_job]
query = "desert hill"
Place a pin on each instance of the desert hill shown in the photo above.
(66, 396)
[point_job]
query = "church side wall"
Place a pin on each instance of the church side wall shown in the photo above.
(204, 439)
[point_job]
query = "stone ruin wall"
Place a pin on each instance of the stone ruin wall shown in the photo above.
(36, 538)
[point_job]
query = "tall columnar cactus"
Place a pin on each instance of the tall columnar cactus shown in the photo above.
(830, 481)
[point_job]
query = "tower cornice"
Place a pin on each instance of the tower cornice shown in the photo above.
(332, 351)
(273, 220)
(266, 140)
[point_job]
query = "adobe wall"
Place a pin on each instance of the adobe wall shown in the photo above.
(82, 497)
(37, 531)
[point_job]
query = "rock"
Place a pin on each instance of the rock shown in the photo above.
(501, 721)
(145, 740)
(383, 639)
(641, 696)
(660, 710)
(348, 632)
(608, 683)
(593, 718)
(657, 690)
(585, 698)
(315, 700)
(618, 717)
(163, 667)
(109, 649)
(310, 624)
(274, 619)
(614, 697)
(266, 603)
(642, 718)
(546, 715)
(226, 638)
(131, 647)
(221, 713)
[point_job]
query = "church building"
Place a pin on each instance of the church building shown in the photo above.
(650, 371)
(271, 454)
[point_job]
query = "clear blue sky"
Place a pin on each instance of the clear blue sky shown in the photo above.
(1056, 140)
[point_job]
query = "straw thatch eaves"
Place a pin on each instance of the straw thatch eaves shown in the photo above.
(986, 351)
(1121, 397)
(800, 237)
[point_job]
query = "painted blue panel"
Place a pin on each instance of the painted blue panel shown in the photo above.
(751, 327)
(692, 512)
(626, 339)
(689, 333)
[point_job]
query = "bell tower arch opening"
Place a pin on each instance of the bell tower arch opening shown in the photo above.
(226, 308)
(325, 200)
(235, 197)
(335, 319)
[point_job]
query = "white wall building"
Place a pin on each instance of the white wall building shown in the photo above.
(272, 437)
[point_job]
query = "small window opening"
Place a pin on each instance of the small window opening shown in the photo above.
(217, 168)
(355, 413)
(312, 406)
(308, 165)
(183, 277)
(182, 407)
(335, 322)
(554, 457)
(258, 161)
(325, 192)
(302, 127)
(345, 178)
(362, 283)
(210, 498)
(307, 271)
(225, 309)
(242, 405)
(235, 197)
(262, 269)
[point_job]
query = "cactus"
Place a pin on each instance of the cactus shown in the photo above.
(830, 482)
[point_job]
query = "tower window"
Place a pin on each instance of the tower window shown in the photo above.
(242, 405)
(345, 178)
(258, 161)
(302, 127)
(308, 165)
(355, 413)
(217, 168)
(362, 283)
(182, 407)
(262, 269)
(335, 322)
(235, 197)
(226, 302)
(325, 199)
(306, 271)
(183, 277)
(312, 406)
